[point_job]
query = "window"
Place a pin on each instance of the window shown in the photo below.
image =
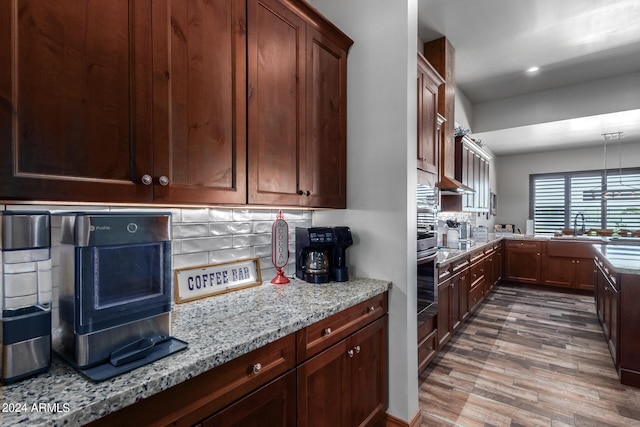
(557, 198)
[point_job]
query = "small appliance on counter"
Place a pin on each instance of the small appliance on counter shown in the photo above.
(342, 239)
(321, 253)
(25, 294)
(115, 296)
(480, 234)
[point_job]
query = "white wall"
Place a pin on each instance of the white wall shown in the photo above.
(381, 165)
(513, 174)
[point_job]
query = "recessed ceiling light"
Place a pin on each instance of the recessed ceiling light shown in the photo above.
(533, 70)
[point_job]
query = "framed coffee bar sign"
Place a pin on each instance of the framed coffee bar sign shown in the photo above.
(203, 281)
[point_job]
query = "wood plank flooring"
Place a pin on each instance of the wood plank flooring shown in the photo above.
(528, 357)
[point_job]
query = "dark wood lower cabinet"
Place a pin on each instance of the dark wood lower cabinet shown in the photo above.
(346, 384)
(272, 405)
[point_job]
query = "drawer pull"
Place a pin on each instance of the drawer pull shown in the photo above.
(357, 348)
(257, 368)
(350, 353)
(327, 331)
(372, 309)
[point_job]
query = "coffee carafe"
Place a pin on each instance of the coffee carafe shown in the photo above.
(313, 248)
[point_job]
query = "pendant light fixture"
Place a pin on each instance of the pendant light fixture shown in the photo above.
(621, 191)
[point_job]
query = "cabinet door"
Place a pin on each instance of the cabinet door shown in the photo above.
(558, 271)
(612, 320)
(76, 83)
(455, 313)
(272, 405)
(325, 180)
(444, 316)
(276, 103)
(585, 274)
(205, 159)
(323, 388)
(369, 374)
(428, 150)
(523, 265)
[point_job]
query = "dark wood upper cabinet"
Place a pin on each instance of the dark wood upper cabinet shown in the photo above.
(76, 90)
(326, 156)
(204, 160)
(276, 96)
(428, 142)
(297, 106)
(172, 101)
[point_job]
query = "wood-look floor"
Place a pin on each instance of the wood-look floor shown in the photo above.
(528, 357)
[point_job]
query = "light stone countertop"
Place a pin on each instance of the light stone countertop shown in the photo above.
(218, 329)
(624, 259)
(448, 255)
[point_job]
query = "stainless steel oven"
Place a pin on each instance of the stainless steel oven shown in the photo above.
(427, 251)
(427, 281)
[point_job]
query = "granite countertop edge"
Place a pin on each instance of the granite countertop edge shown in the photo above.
(258, 315)
(623, 259)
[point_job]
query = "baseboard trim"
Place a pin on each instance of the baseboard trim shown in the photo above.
(397, 422)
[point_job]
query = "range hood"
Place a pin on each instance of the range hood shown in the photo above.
(451, 186)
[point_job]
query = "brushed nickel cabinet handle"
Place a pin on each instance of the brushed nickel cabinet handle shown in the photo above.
(146, 179)
(327, 331)
(357, 349)
(163, 180)
(372, 309)
(257, 368)
(350, 353)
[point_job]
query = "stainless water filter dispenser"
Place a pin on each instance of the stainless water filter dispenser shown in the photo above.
(25, 294)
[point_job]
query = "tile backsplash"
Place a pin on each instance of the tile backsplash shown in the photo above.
(204, 236)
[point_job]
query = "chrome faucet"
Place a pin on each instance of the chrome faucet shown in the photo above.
(575, 224)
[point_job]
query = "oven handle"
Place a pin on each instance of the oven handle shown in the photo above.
(428, 258)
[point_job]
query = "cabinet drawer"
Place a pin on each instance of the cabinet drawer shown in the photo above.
(523, 244)
(444, 273)
(426, 328)
(476, 274)
(475, 297)
(459, 265)
(475, 256)
(195, 399)
(319, 336)
(427, 350)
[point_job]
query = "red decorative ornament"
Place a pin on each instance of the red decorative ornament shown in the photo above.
(280, 248)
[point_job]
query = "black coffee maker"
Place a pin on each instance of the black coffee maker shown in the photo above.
(321, 253)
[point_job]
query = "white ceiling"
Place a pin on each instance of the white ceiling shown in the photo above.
(576, 43)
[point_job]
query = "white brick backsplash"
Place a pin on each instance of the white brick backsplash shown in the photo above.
(226, 228)
(220, 215)
(262, 227)
(206, 244)
(253, 215)
(195, 215)
(186, 230)
(262, 251)
(190, 260)
(216, 257)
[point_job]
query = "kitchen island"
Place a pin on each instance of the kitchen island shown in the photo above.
(617, 295)
(218, 330)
